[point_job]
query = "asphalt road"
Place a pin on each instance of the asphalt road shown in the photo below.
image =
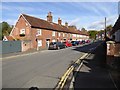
(42, 69)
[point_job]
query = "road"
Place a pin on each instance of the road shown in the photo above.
(42, 69)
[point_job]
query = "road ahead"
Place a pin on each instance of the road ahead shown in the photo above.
(42, 69)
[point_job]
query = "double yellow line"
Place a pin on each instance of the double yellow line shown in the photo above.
(67, 73)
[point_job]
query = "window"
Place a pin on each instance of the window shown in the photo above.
(59, 34)
(74, 35)
(22, 31)
(53, 33)
(39, 32)
(39, 43)
(67, 34)
(63, 35)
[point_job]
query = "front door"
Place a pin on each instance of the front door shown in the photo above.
(39, 44)
(47, 43)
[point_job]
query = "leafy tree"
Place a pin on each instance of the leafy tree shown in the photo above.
(83, 30)
(92, 34)
(109, 27)
(5, 29)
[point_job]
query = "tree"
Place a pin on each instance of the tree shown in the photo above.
(92, 34)
(5, 29)
(109, 27)
(83, 30)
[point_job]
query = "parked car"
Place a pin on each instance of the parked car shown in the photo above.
(87, 41)
(80, 42)
(83, 41)
(56, 45)
(68, 44)
(74, 43)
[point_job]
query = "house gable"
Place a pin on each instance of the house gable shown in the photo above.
(22, 23)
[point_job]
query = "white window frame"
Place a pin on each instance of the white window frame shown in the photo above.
(39, 32)
(59, 34)
(67, 34)
(53, 33)
(63, 34)
(39, 43)
(22, 31)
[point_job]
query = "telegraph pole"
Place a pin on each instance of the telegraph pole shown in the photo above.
(105, 30)
(105, 47)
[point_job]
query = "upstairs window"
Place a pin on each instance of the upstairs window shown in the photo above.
(53, 33)
(39, 32)
(63, 35)
(59, 34)
(22, 31)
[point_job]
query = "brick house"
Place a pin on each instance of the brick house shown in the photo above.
(37, 33)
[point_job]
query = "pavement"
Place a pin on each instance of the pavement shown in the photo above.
(31, 51)
(93, 73)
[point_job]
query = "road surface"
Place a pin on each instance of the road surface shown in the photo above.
(42, 69)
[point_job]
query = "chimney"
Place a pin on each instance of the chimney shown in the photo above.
(59, 21)
(66, 24)
(49, 17)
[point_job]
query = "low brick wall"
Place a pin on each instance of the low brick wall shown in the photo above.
(113, 54)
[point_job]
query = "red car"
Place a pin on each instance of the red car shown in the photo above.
(68, 44)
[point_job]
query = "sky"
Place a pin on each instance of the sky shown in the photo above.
(89, 15)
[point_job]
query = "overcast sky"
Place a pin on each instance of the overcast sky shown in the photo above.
(89, 15)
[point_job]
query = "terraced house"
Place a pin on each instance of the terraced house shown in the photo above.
(37, 33)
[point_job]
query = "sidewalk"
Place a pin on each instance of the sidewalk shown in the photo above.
(19, 53)
(93, 74)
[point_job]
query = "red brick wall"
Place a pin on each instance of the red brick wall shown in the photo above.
(21, 24)
(30, 34)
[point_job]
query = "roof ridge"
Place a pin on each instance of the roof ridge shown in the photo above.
(33, 17)
(42, 19)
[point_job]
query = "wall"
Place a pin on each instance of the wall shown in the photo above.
(113, 55)
(26, 45)
(11, 46)
(21, 24)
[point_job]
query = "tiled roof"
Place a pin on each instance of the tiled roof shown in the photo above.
(116, 26)
(40, 23)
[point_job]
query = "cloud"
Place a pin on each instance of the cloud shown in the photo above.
(11, 21)
(75, 21)
(97, 25)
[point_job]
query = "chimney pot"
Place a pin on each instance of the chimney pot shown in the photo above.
(66, 24)
(49, 17)
(59, 21)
